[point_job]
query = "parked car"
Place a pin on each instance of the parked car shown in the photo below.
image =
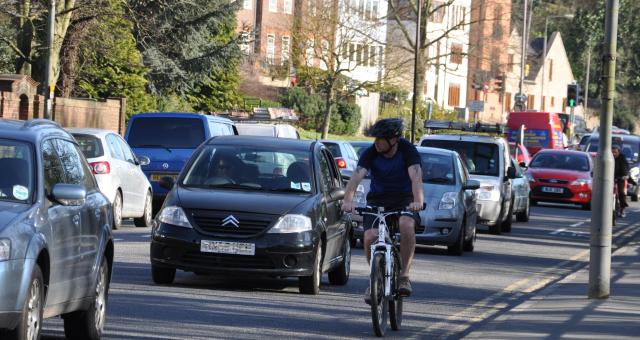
(562, 176)
(487, 160)
(543, 130)
(520, 190)
(56, 247)
(255, 205)
(520, 153)
(119, 175)
(360, 146)
(267, 129)
(584, 140)
(630, 148)
(168, 139)
(344, 154)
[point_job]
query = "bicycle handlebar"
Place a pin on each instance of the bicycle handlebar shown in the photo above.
(375, 210)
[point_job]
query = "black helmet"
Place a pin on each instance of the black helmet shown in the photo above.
(386, 128)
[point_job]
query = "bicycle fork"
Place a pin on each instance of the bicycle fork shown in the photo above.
(388, 264)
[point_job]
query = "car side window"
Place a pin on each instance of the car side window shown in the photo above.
(352, 152)
(461, 173)
(128, 155)
(325, 173)
(53, 172)
(90, 183)
(72, 162)
(335, 173)
(114, 148)
(220, 129)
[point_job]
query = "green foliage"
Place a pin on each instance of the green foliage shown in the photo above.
(625, 118)
(345, 119)
(173, 103)
(219, 94)
(7, 55)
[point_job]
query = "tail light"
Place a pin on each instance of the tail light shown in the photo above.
(341, 163)
(100, 168)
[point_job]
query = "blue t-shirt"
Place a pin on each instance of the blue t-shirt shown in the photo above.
(390, 175)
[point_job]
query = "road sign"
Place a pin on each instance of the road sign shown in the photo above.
(476, 106)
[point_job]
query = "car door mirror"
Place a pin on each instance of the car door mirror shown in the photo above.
(337, 194)
(511, 173)
(166, 182)
(471, 184)
(523, 165)
(69, 194)
(144, 160)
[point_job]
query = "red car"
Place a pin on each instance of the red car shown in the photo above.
(520, 153)
(562, 176)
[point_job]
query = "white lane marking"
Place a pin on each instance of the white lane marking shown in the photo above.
(558, 231)
(577, 224)
(147, 236)
(118, 239)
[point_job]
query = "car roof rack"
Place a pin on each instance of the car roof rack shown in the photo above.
(36, 122)
(465, 126)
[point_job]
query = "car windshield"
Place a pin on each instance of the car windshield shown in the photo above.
(90, 145)
(256, 130)
(559, 161)
(334, 148)
(16, 162)
(437, 169)
(629, 150)
(480, 158)
(257, 168)
(160, 132)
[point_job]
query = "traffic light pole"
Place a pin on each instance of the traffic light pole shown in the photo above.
(601, 218)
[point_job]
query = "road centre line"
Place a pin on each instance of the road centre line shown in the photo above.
(577, 224)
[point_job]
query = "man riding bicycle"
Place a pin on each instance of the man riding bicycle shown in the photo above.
(620, 173)
(396, 184)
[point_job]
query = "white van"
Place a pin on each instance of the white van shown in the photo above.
(269, 130)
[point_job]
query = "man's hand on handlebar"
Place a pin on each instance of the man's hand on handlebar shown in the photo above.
(416, 206)
(348, 206)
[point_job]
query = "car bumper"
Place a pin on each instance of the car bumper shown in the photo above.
(574, 195)
(489, 211)
(12, 291)
(275, 254)
(442, 228)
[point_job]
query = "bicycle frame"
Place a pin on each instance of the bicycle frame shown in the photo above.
(382, 245)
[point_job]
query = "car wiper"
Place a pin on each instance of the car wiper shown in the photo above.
(439, 180)
(236, 186)
(152, 146)
(289, 190)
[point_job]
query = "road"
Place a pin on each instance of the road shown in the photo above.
(453, 296)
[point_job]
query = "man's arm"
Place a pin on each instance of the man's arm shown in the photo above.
(415, 173)
(352, 185)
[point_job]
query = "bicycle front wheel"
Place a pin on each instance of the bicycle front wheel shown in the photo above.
(379, 305)
(395, 301)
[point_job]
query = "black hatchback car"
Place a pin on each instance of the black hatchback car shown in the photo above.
(255, 205)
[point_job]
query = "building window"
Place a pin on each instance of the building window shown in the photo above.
(372, 56)
(312, 7)
(454, 95)
(551, 70)
(438, 15)
(365, 55)
(531, 100)
(456, 54)
(352, 52)
(553, 101)
(285, 50)
(246, 4)
(273, 6)
(358, 54)
(544, 103)
(380, 55)
(507, 101)
(511, 62)
(374, 10)
(497, 22)
(288, 6)
(271, 48)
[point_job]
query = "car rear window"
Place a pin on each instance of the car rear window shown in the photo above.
(334, 148)
(560, 162)
(91, 146)
(256, 130)
(159, 132)
(480, 158)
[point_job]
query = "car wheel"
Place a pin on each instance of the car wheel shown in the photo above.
(340, 275)
(508, 222)
(533, 202)
(523, 216)
(496, 229)
(469, 244)
(89, 324)
(145, 220)
(163, 275)
(117, 211)
(30, 322)
(458, 248)
(311, 284)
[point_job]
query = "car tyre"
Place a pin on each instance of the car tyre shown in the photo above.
(146, 219)
(163, 275)
(457, 248)
(469, 244)
(508, 222)
(533, 202)
(340, 275)
(117, 211)
(311, 284)
(523, 216)
(89, 324)
(30, 322)
(496, 229)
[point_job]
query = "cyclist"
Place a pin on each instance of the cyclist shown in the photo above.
(396, 183)
(620, 173)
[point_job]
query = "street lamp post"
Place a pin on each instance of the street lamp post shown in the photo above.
(416, 57)
(49, 86)
(544, 53)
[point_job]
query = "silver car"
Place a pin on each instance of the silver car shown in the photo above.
(119, 175)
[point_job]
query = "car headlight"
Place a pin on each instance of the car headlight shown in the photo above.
(489, 193)
(5, 249)
(448, 201)
(581, 182)
(634, 172)
(530, 177)
(291, 224)
(175, 216)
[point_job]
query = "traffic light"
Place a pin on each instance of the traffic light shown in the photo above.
(498, 84)
(573, 91)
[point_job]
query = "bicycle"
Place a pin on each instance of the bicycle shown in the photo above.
(386, 267)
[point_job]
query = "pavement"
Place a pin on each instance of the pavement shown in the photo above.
(562, 310)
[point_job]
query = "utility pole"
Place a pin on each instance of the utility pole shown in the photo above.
(49, 86)
(519, 102)
(601, 218)
(586, 81)
(416, 60)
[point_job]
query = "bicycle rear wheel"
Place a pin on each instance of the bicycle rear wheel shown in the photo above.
(395, 301)
(379, 305)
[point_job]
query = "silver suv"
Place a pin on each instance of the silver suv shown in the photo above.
(56, 247)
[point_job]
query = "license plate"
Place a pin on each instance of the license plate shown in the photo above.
(157, 177)
(552, 190)
(223, 247)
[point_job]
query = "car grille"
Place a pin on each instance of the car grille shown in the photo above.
(553, 181)
(226, 261)
(538, 193)
(249, 224)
